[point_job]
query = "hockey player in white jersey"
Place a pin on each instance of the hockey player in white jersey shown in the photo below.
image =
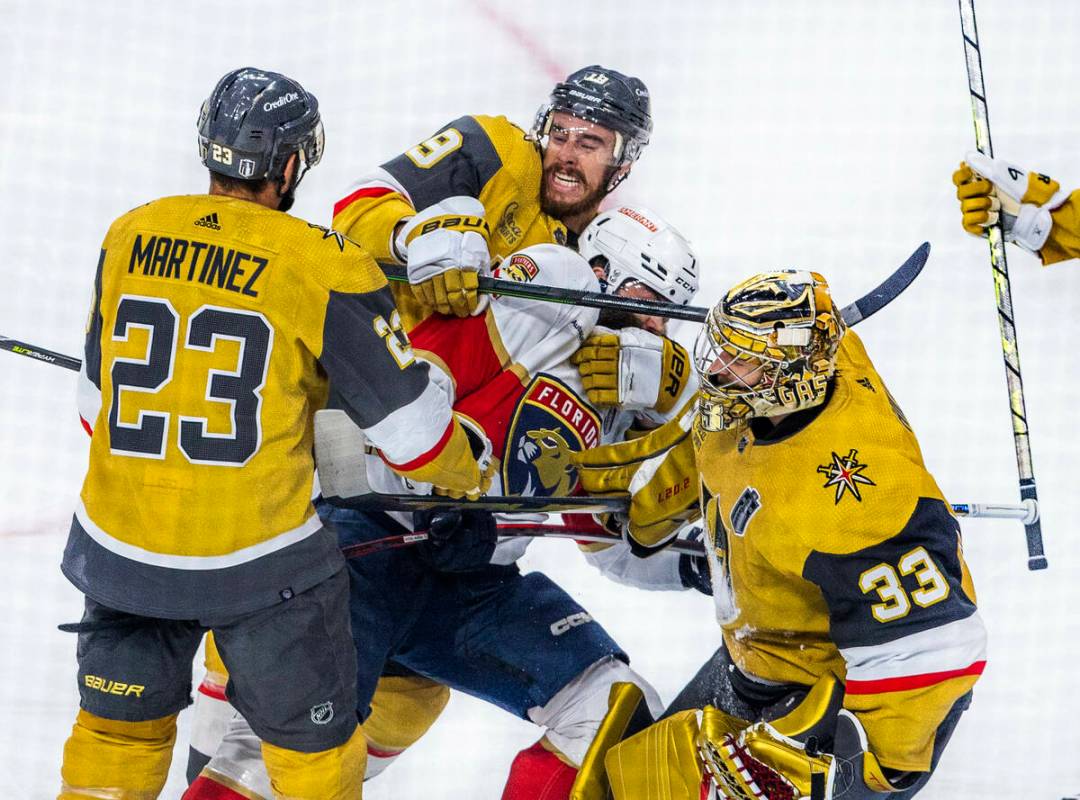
(495, 632)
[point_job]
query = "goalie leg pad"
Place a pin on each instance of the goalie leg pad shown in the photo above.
(659, 763)
(116, 759)
(628, 713)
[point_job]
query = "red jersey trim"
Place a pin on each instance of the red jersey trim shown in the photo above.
(86, 427)
(907, 682)
(425, 458)
(371, 191)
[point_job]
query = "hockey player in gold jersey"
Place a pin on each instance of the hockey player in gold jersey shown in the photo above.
(851, 638)
(216, 325)
(1037, 214)
(482, 188)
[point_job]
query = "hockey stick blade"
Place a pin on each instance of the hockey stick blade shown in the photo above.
(889, 289)
(495, 503)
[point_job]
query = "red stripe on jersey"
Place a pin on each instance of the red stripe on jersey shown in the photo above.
(371, 191)
(86, 427)
(212, 690)
(907, 682)
(429, 456)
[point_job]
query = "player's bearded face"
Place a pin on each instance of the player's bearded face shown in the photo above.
(577, 166)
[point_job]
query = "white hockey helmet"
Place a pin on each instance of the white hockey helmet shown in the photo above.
(638, 245)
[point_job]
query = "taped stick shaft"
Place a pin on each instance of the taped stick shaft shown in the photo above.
(1009, 347)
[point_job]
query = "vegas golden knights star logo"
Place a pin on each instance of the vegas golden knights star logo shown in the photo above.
(845, 473)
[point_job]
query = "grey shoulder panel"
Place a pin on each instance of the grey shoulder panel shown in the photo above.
(463, 171)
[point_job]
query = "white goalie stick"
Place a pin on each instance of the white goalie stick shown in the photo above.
(862, 308)
(1009, 347)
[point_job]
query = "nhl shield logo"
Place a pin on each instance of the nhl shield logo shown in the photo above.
(748, 504)
(549, 424)
(322, 713)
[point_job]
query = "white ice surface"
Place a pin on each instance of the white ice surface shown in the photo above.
(814, 135)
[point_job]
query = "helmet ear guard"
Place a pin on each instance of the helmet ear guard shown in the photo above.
(784, 321)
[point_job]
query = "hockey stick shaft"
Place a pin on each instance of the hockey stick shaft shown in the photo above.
(40, 353)
(591, 532)
(579, 533)
(1009, 347)
(862, 308)
(507, 504)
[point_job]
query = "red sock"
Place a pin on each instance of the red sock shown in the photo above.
(205, 789)
(539, 774)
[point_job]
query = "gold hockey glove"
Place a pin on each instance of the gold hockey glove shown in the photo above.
(633, 369)
(445, 248)
(659, 473)
(990, 189)
(460, 470)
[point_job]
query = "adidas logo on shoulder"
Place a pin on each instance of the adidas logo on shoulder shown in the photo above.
(209, 221)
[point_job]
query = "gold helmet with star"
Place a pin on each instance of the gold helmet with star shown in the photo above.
(767, 348)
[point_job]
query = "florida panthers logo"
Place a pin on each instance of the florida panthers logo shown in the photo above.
(549, 454)
(550, 423)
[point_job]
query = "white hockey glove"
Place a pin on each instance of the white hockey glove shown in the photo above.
(445, 248)
(633, 369)
(988, 187)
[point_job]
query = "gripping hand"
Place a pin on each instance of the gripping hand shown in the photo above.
(659, 473)
(633, 369)
(445, 248)
(990, 189)
(459, 540)
(462, 469)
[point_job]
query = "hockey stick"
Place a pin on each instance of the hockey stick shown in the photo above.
(853, 313)
(577, 532)
(591, 532)
(503, 504)
(1009, 347)
(40, 353)
(862, 308)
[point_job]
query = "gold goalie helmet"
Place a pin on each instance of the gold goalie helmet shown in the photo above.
(767, 348)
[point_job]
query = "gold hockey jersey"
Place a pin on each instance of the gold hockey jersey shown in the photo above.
(216, 326)
(833, 550)
(478, 156)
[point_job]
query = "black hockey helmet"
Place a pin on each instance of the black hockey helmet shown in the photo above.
(606, 97)
(254, 120)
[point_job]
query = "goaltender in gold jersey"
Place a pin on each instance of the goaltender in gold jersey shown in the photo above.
(851, 638)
